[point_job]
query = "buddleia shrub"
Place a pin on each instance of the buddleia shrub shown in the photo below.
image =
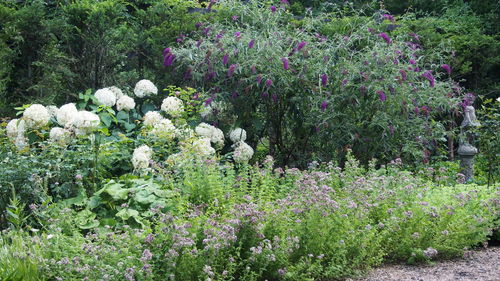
(313, 96)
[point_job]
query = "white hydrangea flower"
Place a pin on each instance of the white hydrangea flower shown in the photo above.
(66, 113)
(59, 135)
(173, 106)
(242, 152)
(52, 110)
(84, 122)
(117, 91)
(141, 157)
(152, 117)
(145, 88)
(215, 135)
(184, 133)
(105, 97)
(36, 116)
(21, 142)
(202, 147)
(15, 127)
(163, 128)
(125, 103)
(237, 135)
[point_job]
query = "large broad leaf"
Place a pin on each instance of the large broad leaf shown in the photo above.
(129, 126)
(105, 118)
(79, 200)
(116, 190)
(146, 107)
(86, 220)
(145, 196)
(127, 213)
(94, 202)
(122, 115)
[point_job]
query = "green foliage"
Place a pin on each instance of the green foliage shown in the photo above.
(489, 141)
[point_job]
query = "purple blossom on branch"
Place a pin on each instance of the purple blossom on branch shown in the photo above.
(251, 43)
(301, 45)
(388, 17)
(404, 76)
(269, 83)
(428, 76)
(324, 105)
(324, 79)
(231, 70)
(273, 9)
(381, 95)
(447, 68)
(385, 37)
(285, 63)
(225, 59)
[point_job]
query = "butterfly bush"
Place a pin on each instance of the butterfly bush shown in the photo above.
(367, 88)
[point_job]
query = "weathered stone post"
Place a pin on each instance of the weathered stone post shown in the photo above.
(466, 149)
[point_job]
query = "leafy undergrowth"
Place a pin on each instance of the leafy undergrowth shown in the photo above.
(221, 222)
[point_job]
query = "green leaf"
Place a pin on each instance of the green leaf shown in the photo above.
(144, 196)
(129, 126)
(122, 115)
(146, 107)
(127, 213)
(105, 118)
(116, 190)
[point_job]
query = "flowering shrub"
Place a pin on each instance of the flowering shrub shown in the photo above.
(365, 88)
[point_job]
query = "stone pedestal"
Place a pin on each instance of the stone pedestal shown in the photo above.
(467, 152)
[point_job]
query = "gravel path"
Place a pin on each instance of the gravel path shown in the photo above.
(481, 265)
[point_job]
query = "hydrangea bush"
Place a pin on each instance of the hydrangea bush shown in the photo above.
(364, 87)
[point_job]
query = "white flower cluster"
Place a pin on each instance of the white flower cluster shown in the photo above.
(173, 106)
(52, 110)
(215, 135)
(15, 132)
(117, 91)
(160, 127)
(59, 135)
(145, 88)
(151, 118)
(36, 116)
(66, 113)
(238, 135)
(125, 103)
(141, 157)
(105, 97)
(242, 152)
(83, 123)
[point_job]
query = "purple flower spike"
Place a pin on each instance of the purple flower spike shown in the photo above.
(388, 17)
(371, 30)
(447, 68)
(428, 76)
(259, 79)
(169, 60)
(198, 25)
(404, 76)
(275, 97)
(273, 9)
(166, 51)
(301, 45)
(381, 95)
(269, 83)
(412, 61)
(254, 69)
(324, 79)
(250, 45)
(231, 70)
(324, 105)
(285, 63)
(225, 59)
(415, 36)
(385, 37)
(234, 18)
(237, 34)
(264, 95)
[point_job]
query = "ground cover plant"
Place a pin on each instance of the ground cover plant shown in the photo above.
(292, 149)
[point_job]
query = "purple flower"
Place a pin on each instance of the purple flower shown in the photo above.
(385, 37)
(388, 17)
(234, 18)
(428, 76)
(285, 63)
(166, 51)
(259, 79)
(269, 83)
(324, 105)
(237, 34)
(301, 45)
(251, 43)
(198, 25)
(265, 95)
(210, 75)
(231, 70)
(225, 59)
(415, 36)
(273, 9)
(381, 95)
(371, 30)
(275, 97)
(412, 61)
(324, 79)
(447, 68)
(169, 59)
(403, 74)
(206, 31)
(198, 43)
(254, 69)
